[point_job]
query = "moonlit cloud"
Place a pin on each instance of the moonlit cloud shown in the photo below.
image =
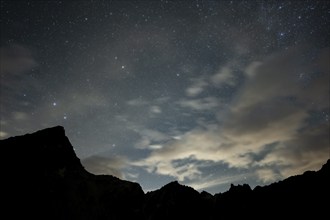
(201, 145)
(3, 134)
(267, 175)
(260, 116)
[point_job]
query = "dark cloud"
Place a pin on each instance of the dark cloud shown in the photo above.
(16, 59)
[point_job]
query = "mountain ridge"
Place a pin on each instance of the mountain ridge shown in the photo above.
(48, 179)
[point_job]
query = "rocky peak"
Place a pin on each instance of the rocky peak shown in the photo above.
(42, 152)
(44, 179)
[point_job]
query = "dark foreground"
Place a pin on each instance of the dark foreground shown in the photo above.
(42, 178)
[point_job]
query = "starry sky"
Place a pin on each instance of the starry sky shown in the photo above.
(208, 93)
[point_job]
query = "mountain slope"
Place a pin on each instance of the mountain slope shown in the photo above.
(300, 196)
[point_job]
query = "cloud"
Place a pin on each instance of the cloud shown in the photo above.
(279, 76)
(155, 109)
(82, 101)
(70, 103)
(275, 105)
(16, 59)
(272, 108)
(267, 175)
(252, 68)
(3, 134)
(202, 104)
(137, 102)
(181, 171)
(224, 77)
(196, 145)
(151, 138)
(105, 165)
(307, 151)
(197, 87)
(15, 62)
(302, 146)
(216, 144)
(271, 118)
(20, 116)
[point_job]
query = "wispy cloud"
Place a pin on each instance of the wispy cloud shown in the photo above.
(151, 138)
(201, 104)
(137, 102)
(155, 109)
(3, 134)
(197, 87)
(224, 77)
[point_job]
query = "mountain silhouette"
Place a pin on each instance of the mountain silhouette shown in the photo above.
(42, 178)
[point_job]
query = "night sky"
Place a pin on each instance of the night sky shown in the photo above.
(208, 93)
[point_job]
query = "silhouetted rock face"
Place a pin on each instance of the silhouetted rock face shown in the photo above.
(42, 153)
(299, 196)
(42, 178)
(174, 201)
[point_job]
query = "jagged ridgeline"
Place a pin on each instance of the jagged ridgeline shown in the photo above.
(42, 178)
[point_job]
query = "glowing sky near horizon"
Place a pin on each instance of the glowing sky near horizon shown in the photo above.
(208, 93)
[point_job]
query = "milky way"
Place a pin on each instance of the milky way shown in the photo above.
(204, 92)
